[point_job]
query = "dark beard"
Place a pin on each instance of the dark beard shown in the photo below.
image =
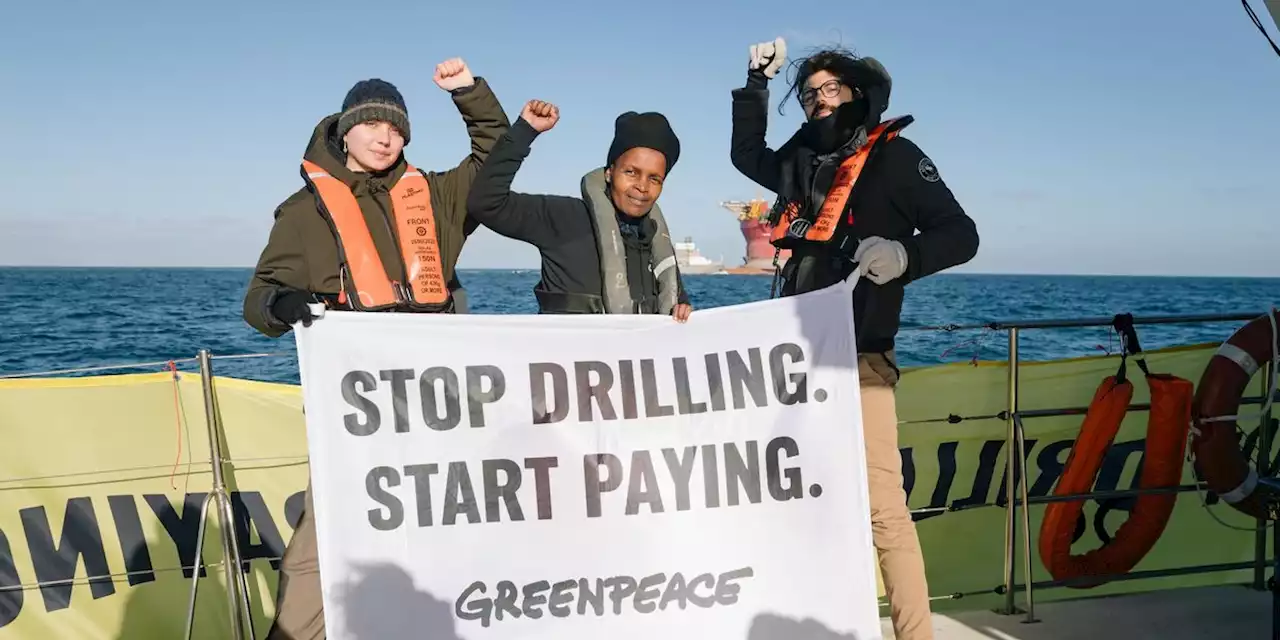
(825, 135)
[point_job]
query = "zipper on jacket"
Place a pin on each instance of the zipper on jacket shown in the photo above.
(813, 187)
(396, 285)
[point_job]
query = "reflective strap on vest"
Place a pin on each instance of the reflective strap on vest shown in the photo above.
(370, 287)
(823, 226)
(661, 267)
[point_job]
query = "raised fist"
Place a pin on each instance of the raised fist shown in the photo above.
(453, 74)
(768, 57)
(540, 115)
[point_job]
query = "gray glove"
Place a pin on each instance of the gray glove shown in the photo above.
(881, 260)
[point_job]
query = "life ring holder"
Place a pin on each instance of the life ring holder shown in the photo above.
(1215, 441)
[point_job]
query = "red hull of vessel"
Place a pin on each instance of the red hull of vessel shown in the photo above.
(759, 258)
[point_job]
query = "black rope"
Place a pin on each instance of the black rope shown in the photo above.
(1129, 345)
(1258, 23)
(777, 275)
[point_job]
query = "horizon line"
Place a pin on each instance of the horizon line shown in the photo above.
(536, 268)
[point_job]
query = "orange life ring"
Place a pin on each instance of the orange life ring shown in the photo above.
(1167, 425)
(1215, 441)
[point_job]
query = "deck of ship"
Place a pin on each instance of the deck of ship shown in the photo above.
(1231, 612)
(1227, 612)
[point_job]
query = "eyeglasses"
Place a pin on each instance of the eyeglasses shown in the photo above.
(828, 89)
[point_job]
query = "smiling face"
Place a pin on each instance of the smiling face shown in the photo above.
(824, 92)
(635, 180)
(373, 146)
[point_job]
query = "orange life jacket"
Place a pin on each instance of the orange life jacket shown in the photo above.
(366, 284)
(793, 229)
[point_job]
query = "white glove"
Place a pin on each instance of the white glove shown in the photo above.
(881, 260)
(317, 310)
(770, 55)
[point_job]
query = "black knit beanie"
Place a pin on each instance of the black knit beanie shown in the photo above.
(649, 130)
(374, 100)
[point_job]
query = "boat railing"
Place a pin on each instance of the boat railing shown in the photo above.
(1016, 476)
(1017, 501)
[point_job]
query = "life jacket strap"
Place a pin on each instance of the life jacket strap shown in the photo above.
(557, 302)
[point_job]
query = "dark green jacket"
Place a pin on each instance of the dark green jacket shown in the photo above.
(302, 252)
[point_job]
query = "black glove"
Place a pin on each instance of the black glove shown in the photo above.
(291, 306)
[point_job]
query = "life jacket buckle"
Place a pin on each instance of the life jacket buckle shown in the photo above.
(798, 228)
(402, 292)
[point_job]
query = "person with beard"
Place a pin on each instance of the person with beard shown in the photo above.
(853, 194)
(608, 251)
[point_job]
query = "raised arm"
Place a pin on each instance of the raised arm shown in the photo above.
(485, 121)
(541, 220)
(480, 110)
(749, 152)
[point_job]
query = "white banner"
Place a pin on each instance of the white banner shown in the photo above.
(482, 477)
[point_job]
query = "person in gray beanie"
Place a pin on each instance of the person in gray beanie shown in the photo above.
(374, 100)
(608, 250)
(350, 237)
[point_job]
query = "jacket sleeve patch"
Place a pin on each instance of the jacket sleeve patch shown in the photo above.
(927, 170)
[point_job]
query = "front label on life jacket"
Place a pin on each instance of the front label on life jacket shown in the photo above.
(793, 228)
(369, 287)
(419, 247)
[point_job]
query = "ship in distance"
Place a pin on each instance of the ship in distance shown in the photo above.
(692, 261)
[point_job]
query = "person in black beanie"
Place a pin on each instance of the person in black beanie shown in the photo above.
(363, 221)
(607, 251)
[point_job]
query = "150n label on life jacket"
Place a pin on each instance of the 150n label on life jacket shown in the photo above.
(368, 287)
(794, 229)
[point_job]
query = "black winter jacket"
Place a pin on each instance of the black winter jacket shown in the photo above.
(560, 227)
(899, 196)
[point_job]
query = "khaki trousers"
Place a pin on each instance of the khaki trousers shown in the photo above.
(299, 608)
(893, 532)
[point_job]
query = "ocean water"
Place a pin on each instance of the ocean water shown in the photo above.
(62, 318)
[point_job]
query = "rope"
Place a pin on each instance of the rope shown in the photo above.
(162, 364)
(1253, 17)
(180, 424)
(953, 418)
(139, 365)
(274, 354)
(1111, 338)
(977, 343)
(78, 474)
(1204, 502)
(114, 577)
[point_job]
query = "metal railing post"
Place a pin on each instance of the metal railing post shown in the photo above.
(1264, 470)
(237, 587)
(1023, 482)
(1010, 521)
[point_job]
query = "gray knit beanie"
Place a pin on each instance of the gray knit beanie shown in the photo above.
(374, 100)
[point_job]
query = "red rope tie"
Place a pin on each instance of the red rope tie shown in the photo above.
(977, 344)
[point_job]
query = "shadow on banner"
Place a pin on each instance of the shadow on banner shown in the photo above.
(378, 588)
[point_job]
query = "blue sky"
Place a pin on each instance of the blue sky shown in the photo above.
(1133, 137)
